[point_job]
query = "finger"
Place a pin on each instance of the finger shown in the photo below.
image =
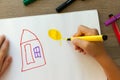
(4, 50)
(89, 31)
(78, 33)
(81, 31)
(80, 43)
(85, 31)
(80, 50)
(6, 64)
(84, 53)
(2, 38)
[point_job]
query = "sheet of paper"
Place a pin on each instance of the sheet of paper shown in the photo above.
(37, 57)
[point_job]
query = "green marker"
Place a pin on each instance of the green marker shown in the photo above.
(27, 2)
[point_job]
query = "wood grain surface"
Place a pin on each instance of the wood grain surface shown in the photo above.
(16, 8)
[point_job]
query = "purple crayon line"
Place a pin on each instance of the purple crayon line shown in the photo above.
(113, 19)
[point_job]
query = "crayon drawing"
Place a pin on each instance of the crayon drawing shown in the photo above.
(32, 53)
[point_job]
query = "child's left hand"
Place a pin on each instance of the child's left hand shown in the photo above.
(5, 59)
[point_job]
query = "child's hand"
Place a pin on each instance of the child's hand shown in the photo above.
(5, 60)
(95, 49)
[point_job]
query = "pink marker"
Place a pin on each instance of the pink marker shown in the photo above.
(116, 29)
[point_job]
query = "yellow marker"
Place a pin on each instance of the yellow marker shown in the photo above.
(90, 38)
(56, 35)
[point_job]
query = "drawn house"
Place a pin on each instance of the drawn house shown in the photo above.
(32, 53)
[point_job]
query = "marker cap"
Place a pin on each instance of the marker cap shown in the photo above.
(64, 5)
(27, 2)
(105, 37)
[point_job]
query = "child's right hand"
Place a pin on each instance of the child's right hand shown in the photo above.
(95, 49)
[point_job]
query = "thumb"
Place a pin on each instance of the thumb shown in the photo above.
(80, 43)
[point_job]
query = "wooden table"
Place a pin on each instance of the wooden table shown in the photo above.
(15, 8)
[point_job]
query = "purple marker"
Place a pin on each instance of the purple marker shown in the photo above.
(112, 19)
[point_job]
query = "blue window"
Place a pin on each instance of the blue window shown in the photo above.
(37, 51)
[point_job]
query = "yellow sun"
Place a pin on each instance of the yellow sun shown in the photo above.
(54, 34)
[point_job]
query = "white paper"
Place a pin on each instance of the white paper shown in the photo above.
(53, 62)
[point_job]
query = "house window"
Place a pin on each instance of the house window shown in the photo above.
(37, 51)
